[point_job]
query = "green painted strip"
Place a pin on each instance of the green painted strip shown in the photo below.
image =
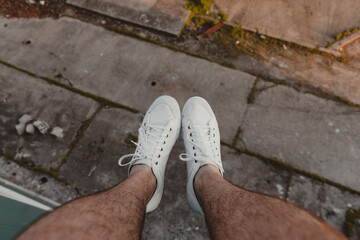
(26, 193)
(15, 217)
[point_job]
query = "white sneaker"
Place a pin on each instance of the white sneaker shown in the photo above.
(201, 136)
(157, 135)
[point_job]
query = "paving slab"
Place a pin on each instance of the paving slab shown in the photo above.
(164, 15)
(327, 202)
(123, 69)
(309, 23)
(253, 174)
(37, 182)
(23, 94)
(310, 133)
(92, 165)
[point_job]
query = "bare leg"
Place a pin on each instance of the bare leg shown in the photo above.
(234, 213)
(118, 213)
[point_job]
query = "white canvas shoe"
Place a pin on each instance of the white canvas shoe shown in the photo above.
(157, 135)
(201, 136)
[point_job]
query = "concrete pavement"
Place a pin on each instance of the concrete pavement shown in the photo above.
(97, 85)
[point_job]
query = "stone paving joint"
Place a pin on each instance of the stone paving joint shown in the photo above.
(351, 217)
(80, 133)
(101, 100)
(281, 165)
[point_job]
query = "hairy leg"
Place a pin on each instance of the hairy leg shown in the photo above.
(117, 213)
(234, 213)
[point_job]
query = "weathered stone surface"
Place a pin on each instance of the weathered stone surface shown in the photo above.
(131, 72)
(309, 23)
(163, 15)
(253, 174)
(58, 107)
(37, 182)
(310, 133)
(96, 155)
(325, 201)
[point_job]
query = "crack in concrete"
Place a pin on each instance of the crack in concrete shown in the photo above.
(252, 94)
(124, 30)
(288, 183)
(80, 133)
(92, 96)
(51, 173)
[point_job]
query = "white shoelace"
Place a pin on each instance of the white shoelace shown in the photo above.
(203, 144)
(150, 138)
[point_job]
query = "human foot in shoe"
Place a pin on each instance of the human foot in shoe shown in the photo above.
(157, 135)
(201, 136)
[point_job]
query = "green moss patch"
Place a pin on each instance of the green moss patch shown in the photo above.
(352, 215)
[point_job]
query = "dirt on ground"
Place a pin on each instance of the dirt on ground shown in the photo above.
(31, 8)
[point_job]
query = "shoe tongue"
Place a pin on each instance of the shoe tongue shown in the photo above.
(200, 116)
(161, 115)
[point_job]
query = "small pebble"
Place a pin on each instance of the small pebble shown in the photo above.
(20, 128)
(25, 119)
(26, 155)
(57, 132)
(42, 2)
(31, 1)
(262, 37)
(30, 128)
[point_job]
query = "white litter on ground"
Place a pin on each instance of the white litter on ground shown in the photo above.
(25, 119)
(42, 126)
(20, 128)
(30, 128)
(57, 132)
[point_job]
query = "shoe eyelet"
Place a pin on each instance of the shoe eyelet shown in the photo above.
(157, 163)
(167, 136)
(159, 156)
(196, 161)
(214, 141)
(191, 134)
(170, 129)
(214, 129)
(145, 124)
(218, 155)
(213, 134)
(195, 154)
(189, 127)
(164, 142)
(194, 147)
(161, 149)
(192, 140)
